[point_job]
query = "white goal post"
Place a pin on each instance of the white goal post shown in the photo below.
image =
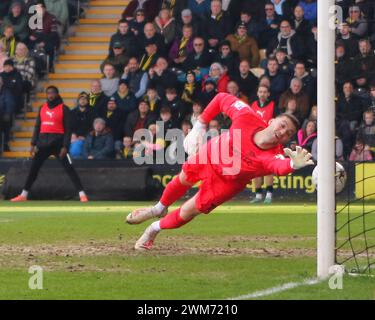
(326, 139)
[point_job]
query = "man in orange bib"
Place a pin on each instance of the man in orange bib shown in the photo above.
(51, 136)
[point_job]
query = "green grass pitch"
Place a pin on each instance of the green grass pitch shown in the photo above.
(86, 252)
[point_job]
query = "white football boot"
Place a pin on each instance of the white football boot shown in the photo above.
(140, 215)
(146, 241)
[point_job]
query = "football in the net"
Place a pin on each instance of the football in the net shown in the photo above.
(340, 177)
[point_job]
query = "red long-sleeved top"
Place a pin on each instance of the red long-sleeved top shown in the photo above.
(251, 161)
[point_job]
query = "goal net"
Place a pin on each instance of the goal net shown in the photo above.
(355, 220)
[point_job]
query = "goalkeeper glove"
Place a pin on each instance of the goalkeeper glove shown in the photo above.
(194, 138)
(299, 158)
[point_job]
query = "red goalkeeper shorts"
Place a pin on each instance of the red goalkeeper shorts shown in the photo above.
(214, 189)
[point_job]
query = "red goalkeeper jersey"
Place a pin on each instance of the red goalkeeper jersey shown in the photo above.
(243, 161)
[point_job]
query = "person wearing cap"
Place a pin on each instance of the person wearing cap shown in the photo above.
(125, 36)
(13, 84)
(208, 93)
(118, 58)
(17, 18)
(99, 142)
(245, 45)
(187, 18)
(82, 116)
(190, 91)
(125, 99)
(150, 56)
(115, 121)
(52, 135)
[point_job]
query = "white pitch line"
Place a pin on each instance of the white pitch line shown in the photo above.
(284, 287)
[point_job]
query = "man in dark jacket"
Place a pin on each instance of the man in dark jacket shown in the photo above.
(6, 118)
(217, 25)
(99, 143)
(124, 36)
(82, 117)
(139, 119)
(246, 80)
(115, 120)
(47, 37)
(125, 99)
(288, 40)
(161, 77)
(150, 8)
(97, 98)
(52, 135)
(13, 85)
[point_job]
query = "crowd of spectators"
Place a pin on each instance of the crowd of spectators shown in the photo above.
(27, 51)
(169, 58)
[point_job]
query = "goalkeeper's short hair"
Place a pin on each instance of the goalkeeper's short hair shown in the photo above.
(292, 118)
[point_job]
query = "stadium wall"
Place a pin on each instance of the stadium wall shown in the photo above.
(124, 180)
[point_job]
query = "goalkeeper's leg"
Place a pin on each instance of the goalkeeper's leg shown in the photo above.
(174, 190)
(173, 220)
(209, 196)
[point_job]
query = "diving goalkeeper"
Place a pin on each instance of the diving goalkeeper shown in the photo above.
(255, 150)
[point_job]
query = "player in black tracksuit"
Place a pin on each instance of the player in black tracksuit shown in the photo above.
(51, 136)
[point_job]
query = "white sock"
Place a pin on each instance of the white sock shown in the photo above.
(24, 193)
(269, 195)
(156, 226)
(82, 194)
(159, 207)
(258, 196)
